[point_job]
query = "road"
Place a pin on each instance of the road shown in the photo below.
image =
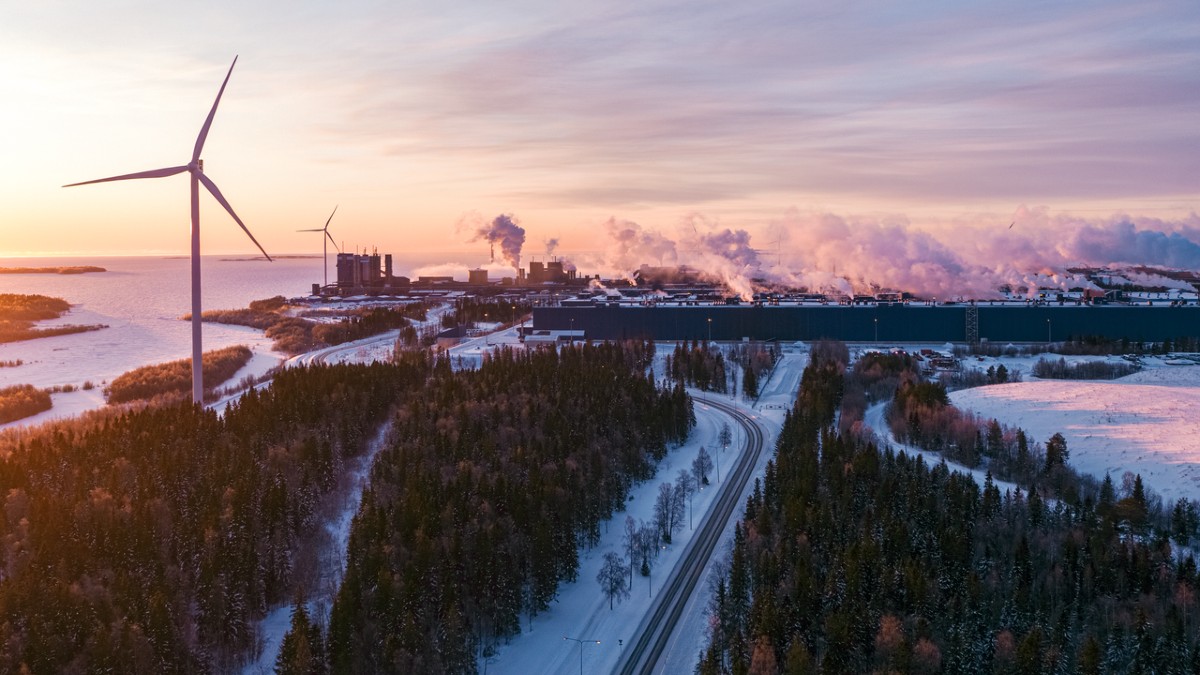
(656, 628)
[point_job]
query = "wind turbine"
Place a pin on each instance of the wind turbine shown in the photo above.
(195, 167)
(325, 243)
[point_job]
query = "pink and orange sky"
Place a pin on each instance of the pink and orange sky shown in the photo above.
(758, 116)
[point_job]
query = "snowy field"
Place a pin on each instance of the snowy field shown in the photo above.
(1147, 423)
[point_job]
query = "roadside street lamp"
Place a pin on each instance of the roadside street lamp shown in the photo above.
(580, 641)
(877, 329)
(710, 330)
(1048, 338)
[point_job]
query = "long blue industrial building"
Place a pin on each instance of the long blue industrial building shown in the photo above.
(884, 322)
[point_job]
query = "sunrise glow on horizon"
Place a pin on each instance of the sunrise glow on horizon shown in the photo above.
(674, 116)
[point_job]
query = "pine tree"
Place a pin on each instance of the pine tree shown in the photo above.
(749, 382)
(302, 651)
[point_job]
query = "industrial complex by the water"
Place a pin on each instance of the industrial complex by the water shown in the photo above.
(680, 304)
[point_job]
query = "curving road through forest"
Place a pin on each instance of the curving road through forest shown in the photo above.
(656, 629)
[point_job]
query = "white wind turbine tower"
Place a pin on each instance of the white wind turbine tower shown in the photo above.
(196, 168)
(325, 243)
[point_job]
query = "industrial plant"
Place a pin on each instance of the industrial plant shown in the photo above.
(681, 303)
(372, 274)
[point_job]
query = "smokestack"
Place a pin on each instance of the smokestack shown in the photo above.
(503, 230)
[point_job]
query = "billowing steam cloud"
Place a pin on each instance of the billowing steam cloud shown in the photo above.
(503, 230)
(551, 245)
(630, 246)
(828, 252)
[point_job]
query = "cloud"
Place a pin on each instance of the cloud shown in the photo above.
(671, 102)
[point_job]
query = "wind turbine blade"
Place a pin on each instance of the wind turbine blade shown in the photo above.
(212, 187)
(211, 113)
(316, 230)
(335, 245)
(156, 173)
(330, 219)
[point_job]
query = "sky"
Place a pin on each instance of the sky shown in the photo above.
(580, 120)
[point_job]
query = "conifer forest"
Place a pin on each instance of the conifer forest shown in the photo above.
(153, 540)
(855, 558)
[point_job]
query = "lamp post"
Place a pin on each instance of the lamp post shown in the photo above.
(487, 337)
(580, 641)
(877, 329)
(710, 330)
(1048, 334)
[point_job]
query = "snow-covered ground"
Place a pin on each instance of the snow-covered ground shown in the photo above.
(1146, 423)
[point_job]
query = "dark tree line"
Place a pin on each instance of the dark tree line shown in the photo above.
(920, 414)
(469, 311)
(698, 364)
(1088, 370)
(1091, 345)
(706, 366)
(853, 559)
(755, 359)
(316, 327)
(153, 540)
(493, 481)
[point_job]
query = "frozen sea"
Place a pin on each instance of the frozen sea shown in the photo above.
(142, 300)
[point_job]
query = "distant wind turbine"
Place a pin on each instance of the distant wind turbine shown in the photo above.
(325, 243)
(196, 168)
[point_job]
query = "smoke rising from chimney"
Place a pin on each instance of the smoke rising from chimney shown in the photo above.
(503, 231)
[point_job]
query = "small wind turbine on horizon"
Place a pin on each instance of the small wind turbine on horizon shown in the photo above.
(195, 167)
(325, 243)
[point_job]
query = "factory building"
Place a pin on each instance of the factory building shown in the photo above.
(362, 273)
(549, 272)
(881, 322)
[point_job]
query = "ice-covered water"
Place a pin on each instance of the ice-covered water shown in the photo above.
(142, 300)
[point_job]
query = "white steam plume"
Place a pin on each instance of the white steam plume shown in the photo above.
(959, 258)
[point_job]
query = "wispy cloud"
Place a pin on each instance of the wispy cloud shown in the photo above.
(916, 102)
(593, 109)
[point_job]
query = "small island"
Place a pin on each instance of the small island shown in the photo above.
(173, 380)
(21, 401)
(19, 312)
(72, 269)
